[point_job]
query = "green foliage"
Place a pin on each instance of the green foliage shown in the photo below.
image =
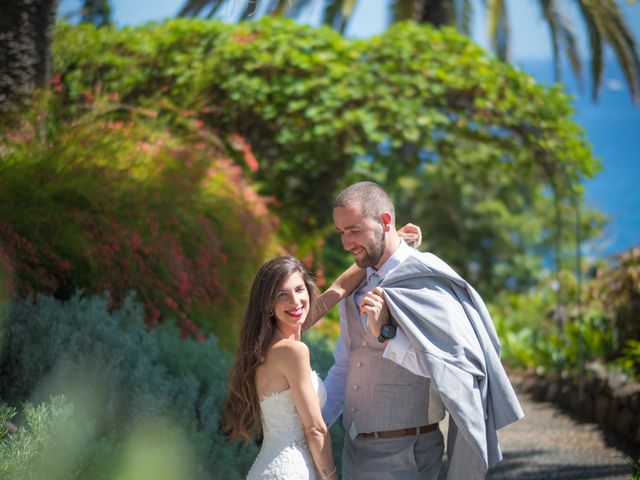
(22, 454)
(525, 330)
(616, 290)
(549, 329)
(123, 383)
(629, 361)
(486, 143)
(116, 201)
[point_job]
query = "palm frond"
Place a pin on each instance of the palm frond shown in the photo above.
(463, 15)
(280, 8)
(625, 48)
(571, 48)
(250, 9)
(606, 25)
(563, 37)
(405, 10)
(550, 15)
(296, 7)
(192, 8)
(499, 29)
(596, 46)
(337, 13)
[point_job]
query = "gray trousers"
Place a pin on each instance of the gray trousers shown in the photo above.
(414, 457)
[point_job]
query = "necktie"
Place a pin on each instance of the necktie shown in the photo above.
(374, 281)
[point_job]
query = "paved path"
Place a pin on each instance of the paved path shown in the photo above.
(549, 444)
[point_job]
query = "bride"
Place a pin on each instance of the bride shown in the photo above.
(272, 389)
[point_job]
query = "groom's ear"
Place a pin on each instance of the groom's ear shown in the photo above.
(385, 218)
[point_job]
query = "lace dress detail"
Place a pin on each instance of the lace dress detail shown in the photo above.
(284, 454)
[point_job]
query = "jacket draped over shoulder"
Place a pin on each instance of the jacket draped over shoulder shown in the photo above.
(452, 333)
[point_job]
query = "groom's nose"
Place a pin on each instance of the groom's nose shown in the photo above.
(347, 243)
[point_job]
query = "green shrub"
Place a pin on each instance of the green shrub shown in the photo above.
(122, 381)
(115, 201)
(616, 290)
(29, 453)
(475, 146)
(549, 330)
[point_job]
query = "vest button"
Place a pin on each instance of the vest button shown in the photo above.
(364, 343)
(356, 387)
(359, 364)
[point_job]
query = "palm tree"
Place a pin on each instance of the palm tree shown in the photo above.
(603, 20)
(26, 31)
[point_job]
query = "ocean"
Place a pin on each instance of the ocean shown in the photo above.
(612, 126)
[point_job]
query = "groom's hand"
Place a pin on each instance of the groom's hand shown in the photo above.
(374, 306)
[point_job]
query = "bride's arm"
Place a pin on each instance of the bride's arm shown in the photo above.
(343, 286)
(351, 278)
(294, 361)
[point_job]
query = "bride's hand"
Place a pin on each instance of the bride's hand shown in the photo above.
(411, 234)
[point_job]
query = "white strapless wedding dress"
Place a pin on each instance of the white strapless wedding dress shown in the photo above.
(284, 454)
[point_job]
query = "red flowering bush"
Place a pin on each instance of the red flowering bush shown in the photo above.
(114, 203)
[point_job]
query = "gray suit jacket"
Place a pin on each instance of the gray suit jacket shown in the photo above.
(449, 327)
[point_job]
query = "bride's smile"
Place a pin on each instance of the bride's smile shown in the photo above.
(292, 303)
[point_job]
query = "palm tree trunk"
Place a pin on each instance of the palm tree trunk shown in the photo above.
(435, 12)
(26, 32)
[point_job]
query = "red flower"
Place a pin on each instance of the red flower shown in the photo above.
(171, 303)
(250, 158)
(136, 241)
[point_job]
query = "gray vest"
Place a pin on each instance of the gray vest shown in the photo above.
(380, 395)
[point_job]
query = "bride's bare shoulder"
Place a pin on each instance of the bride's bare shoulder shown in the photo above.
(286, 350)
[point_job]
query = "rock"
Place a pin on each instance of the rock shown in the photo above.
(634, 401)
(567, 394)
(527, 384)
(553, 392)
(586, 407)
(539, 389)
(627, 423)
(616, 380)
(613, 412)
(598, 370)
(602, 404)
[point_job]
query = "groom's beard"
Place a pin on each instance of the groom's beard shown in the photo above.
(373, 252)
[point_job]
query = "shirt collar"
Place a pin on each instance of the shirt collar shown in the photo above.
(400, 255)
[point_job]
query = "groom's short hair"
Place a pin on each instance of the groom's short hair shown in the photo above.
(369, 197)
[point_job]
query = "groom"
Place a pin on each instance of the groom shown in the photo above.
(395, 375)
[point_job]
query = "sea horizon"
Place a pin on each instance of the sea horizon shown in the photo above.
(612, 127)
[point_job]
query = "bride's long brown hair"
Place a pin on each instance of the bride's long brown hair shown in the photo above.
(241, 412)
